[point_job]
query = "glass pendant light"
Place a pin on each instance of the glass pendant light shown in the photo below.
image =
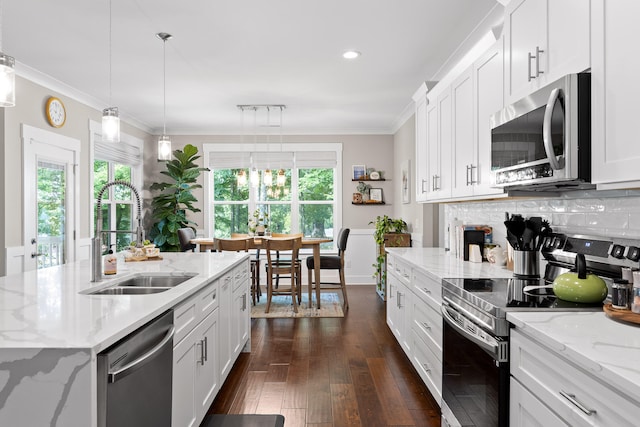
(241, 178)
(7, 75)
(255, 177)
(281, 179)
(267, 178)
(164, 142)
(110, 116)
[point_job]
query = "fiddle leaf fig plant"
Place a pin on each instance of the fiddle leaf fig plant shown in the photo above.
(170, 207)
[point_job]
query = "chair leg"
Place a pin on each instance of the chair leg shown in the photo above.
(310, 286)
(294, 292)
(344, 289)
(299, 282)
(269, 292)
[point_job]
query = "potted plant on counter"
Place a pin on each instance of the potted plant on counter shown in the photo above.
(388, 232)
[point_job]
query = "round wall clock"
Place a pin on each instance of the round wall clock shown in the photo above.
(55, 112)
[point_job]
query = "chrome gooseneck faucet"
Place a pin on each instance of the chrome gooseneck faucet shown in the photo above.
(96, 241)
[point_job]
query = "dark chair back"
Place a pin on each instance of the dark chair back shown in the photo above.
(342, 239)
(185, 235)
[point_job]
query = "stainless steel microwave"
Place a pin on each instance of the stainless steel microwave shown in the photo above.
(543, 141)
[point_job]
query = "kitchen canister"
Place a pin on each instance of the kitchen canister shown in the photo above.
(620, 294)
(526, 263)
(635, 293)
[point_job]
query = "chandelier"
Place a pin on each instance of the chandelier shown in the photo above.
(164, 142)
(272, 180)
(110, 116)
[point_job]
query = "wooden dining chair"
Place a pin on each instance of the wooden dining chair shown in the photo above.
(331, 262)
(284, 259)
(242, 245)
(291, 270)
(256, 291)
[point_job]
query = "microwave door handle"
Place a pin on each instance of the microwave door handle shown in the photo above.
(546, 131)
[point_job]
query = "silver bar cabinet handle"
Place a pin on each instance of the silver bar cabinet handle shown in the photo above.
(572, 398)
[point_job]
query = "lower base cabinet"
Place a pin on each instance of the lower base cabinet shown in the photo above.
(413, 303)
(212, 328)
(195, 373)
(570, 394)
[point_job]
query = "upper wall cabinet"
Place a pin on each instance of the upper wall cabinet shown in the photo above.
(615, 93)
(545, 39)
(422, 174)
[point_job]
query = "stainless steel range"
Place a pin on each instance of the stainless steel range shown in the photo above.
(476, 333)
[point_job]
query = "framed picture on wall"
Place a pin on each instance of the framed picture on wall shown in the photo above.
(359, 172)
(405, 189)
(375, 194)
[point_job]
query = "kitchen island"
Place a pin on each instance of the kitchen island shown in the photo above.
(51, 332)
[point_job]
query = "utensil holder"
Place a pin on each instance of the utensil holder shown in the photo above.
(526, 263)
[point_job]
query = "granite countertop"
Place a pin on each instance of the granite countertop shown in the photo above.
(45, 309)
(606, 348)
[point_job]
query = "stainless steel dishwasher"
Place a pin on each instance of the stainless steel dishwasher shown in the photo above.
(135, 377)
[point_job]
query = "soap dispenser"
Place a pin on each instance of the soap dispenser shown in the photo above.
(110, 263)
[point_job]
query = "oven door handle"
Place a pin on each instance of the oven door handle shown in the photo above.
(546, 131)
(487, 343)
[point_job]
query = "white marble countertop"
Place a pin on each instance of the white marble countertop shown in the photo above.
(438, 264)
(604, 347)
(607, 349)
(45, 309)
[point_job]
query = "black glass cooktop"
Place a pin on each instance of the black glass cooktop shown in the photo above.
(511, 294)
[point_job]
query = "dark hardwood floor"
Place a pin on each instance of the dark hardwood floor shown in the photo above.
(329, 372)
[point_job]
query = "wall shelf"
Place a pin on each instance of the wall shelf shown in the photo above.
(368, 180)
(369, 204)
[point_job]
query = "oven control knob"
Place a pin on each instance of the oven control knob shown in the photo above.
(633, 253)
(617, 251)
(557, 242)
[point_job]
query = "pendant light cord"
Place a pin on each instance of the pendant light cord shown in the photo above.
(110, 57)
(164, 86)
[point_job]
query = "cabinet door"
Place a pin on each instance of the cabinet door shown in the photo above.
(184, 407)
(206, 366)
(432, 147)
(489, 89)
(464, 161)
(441, 172)
(615, 86)
(422, 156)
(225, 319)
(569, 35)
(239, 323)
(526, 410)
(525, 28)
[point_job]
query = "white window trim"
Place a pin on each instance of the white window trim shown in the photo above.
(137, 171)
(209, 148)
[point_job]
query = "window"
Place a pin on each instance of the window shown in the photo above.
(116, 161)
(306, 202)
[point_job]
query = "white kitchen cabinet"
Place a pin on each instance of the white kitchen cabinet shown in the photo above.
(567, 390)
(225, 350)
(545, 39)
(195, 360)
(488, 86)
(398, 305)
(240, 322)
(615, 91)
(526, 410)
(463, 143)
(422, 155)
(439, 138)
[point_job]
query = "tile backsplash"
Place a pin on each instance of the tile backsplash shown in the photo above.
(597, 213)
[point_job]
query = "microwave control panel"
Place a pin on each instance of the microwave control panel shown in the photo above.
(528, 173)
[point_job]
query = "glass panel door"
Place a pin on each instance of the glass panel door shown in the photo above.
(51, 202)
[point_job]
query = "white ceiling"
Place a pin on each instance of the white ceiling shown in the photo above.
(229, 52)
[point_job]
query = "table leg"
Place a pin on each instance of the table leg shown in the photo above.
(316, 270)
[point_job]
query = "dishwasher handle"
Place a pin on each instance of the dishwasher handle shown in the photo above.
(142, 360)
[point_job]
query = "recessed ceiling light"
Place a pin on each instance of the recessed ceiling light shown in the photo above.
(351, 54)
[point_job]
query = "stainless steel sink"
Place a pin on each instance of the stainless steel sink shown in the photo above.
(116, 290)
(143, 284)
(155, 281)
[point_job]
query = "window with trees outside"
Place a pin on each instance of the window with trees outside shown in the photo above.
(300, 196)
(116, 161)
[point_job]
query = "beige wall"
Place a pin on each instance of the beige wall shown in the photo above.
(30, 103)
(374, 151)
(422, 218)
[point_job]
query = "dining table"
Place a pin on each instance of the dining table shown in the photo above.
(258, 242)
